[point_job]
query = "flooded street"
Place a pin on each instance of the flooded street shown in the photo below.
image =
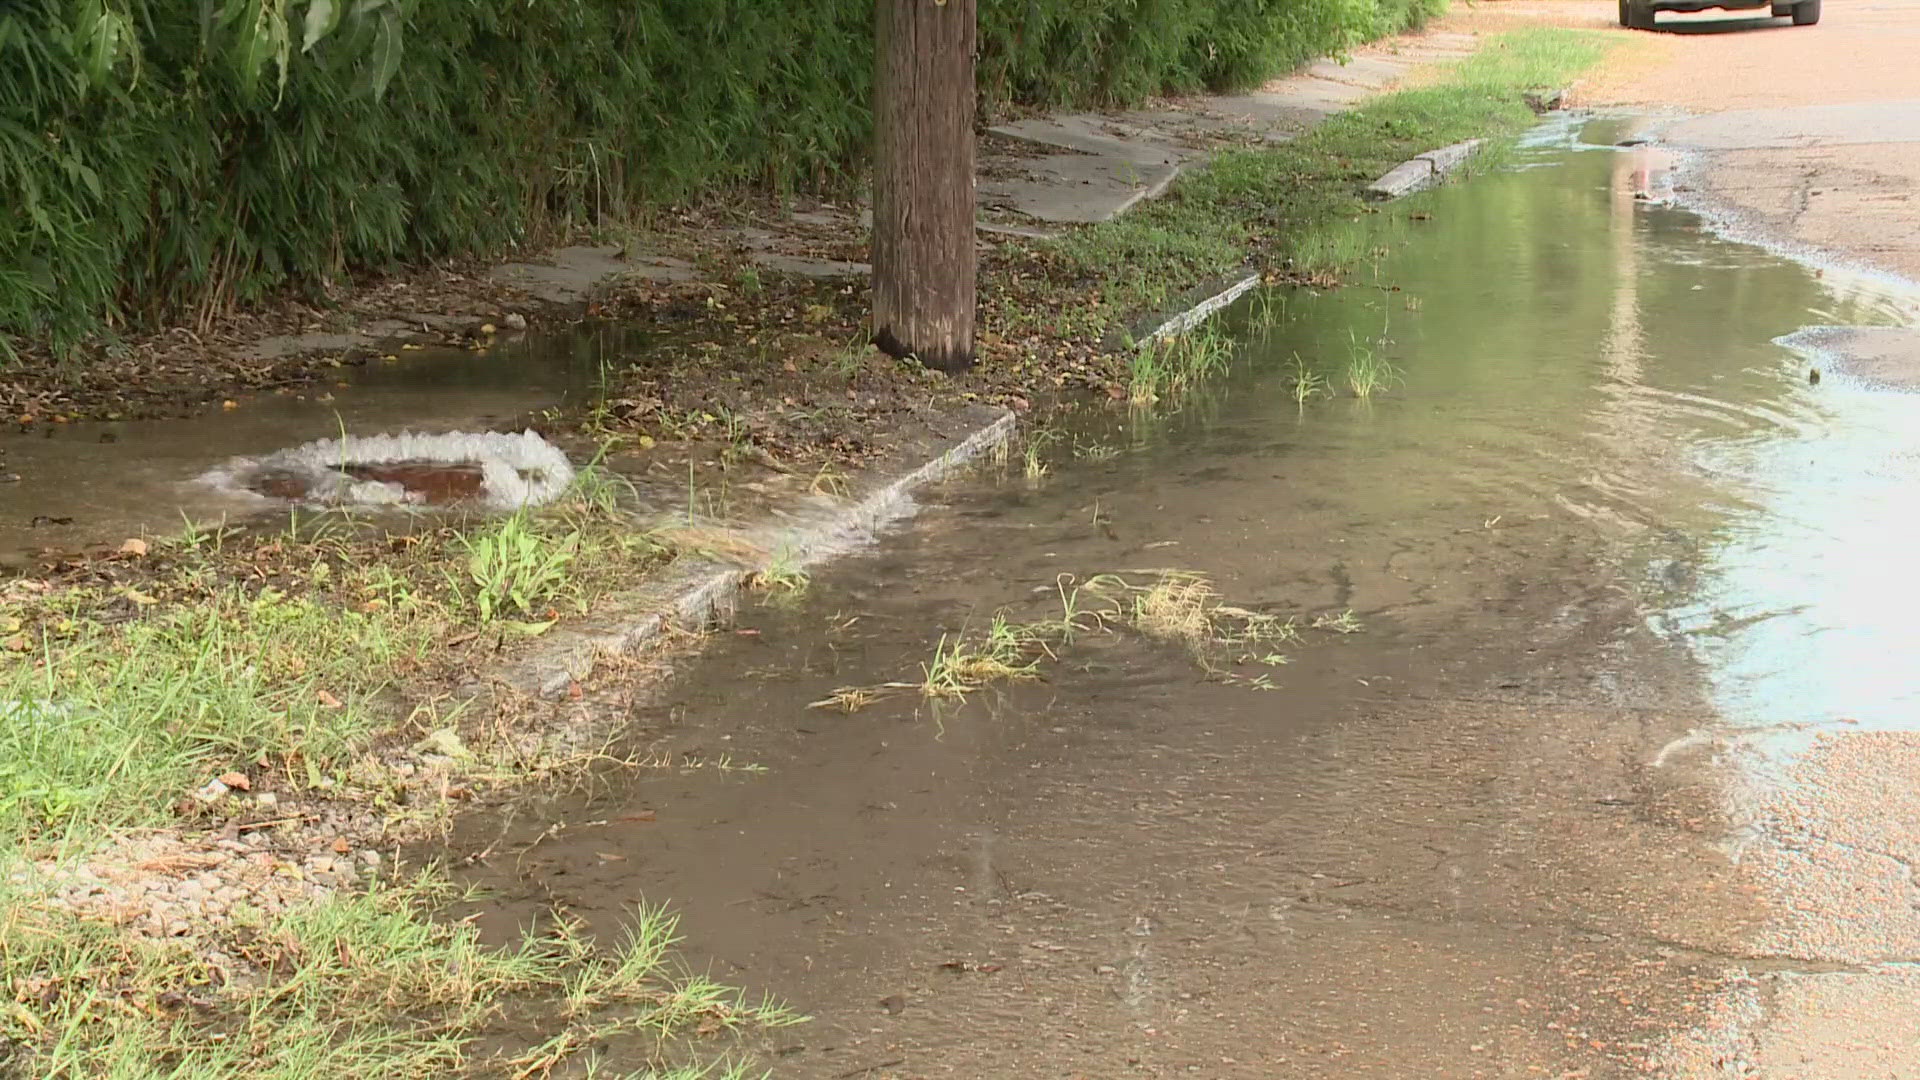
(1601, 529)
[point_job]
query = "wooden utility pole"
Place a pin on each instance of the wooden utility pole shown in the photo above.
(923, 255)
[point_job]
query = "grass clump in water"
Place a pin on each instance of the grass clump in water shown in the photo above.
(1176, 606)
(1305, 383)
(1176, 364)
(781, 580)
(1368, 372)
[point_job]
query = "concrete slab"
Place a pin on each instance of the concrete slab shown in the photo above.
(1104, 136)
(1117, 160)
(1370, 72)
(815, 268)
(1201, 128)
(572, 273)
(1300, 104)
(1423, 171)
(1080, 188)
(998, 229)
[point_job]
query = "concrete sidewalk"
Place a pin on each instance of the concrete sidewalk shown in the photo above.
(1093, 166)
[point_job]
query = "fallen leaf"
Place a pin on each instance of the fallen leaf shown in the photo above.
(340, 845)
(237, 781)
(133, 546)
(327, 699)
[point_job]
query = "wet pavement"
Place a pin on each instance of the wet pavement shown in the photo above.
(1595, 544)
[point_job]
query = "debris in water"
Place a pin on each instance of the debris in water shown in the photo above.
(1813, 376)
(501, 471)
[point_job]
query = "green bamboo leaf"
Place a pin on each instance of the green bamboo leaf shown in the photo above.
(322, 17)
(386, 52)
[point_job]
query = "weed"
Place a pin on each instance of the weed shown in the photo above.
(1367, 371)
(1033, 462)
(1268, 310)
(829, 481)
(1173, 605)
(1306, 384)
(1342, 622)
(781, 579)
(1178, 363)
(516, 565)
(365, 984)
(958, 668)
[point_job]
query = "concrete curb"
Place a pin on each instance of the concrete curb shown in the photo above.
(705, 592)
(1423, 171)
(1203, 310)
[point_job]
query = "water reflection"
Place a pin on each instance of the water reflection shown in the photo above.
(1590, 363)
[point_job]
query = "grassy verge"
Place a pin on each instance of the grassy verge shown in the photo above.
(283, 659)
(183, 727)
(361, 984)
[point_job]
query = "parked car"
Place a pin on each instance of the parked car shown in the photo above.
(1638, 14)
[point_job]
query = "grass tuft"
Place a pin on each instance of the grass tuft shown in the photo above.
(363, 984)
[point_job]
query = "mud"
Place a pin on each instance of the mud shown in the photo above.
(1485, 837)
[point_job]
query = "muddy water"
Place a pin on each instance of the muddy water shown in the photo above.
(1439, 847)
(97, 483)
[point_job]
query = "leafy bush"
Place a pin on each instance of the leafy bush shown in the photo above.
(170, 158)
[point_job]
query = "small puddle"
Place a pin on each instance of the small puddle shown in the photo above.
(99, 482)
(1600, 507)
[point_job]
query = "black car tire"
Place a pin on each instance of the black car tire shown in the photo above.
(1636, 15)
(1806, 12)
(1781, 11)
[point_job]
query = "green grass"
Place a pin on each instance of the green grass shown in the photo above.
(1289, 208)
(1368, 372)
(110, 724)
(298, 651)
(518, 567)
(1306, 383)
(1171, 366)
(365, 984)
(782, 580)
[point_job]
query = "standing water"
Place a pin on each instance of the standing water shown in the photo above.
(97, 483)
(1596, 505)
